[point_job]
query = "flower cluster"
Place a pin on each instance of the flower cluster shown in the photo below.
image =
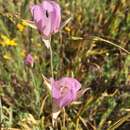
(5, 41)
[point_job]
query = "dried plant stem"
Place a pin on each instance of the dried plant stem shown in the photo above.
(77, 124)
(119, 122)
(64, 117)
(109, 42)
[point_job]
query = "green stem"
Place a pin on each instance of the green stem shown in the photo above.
(51, 54)
(48, 45)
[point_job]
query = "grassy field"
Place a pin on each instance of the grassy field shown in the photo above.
(94, 47)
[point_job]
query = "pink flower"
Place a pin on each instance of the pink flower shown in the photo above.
(65, 90)
(29, 60)
(47, 17)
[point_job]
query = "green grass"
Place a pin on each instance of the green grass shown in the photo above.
(94, 47)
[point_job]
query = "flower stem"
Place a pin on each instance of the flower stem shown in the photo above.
(52, 74)
(48, 45)
(51, 54)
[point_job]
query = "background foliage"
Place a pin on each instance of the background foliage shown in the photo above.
(93, 47)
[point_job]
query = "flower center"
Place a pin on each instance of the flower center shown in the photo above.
(63, 90)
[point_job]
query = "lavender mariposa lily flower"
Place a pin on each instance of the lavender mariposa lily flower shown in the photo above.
(29, 60)
(65, 90)
(47, 17)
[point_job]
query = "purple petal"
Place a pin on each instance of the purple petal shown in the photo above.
(56, 17)
(37, 13)
(46, 5)
(65, 90)
(67, 99)
(47, 17)
(55, 91)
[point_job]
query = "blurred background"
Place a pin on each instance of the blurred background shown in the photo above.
(94, 47)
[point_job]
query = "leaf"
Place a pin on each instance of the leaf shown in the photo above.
(3, 27)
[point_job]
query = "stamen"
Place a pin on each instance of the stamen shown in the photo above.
(63, 90)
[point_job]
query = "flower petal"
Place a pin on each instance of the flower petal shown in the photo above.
(56, 17)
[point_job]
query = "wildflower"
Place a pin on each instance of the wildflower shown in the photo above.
(11, 43)
(4, 37)
(29, 60)
(65, 90)
(7, 42)
(20, 27)
(24, 23)
(47, 17)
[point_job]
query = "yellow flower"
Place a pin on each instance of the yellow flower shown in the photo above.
(7, 56)
(24, 23)
(4, 37)
(4, 40)
(20, 27)
(11, 43)
(7, 42)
